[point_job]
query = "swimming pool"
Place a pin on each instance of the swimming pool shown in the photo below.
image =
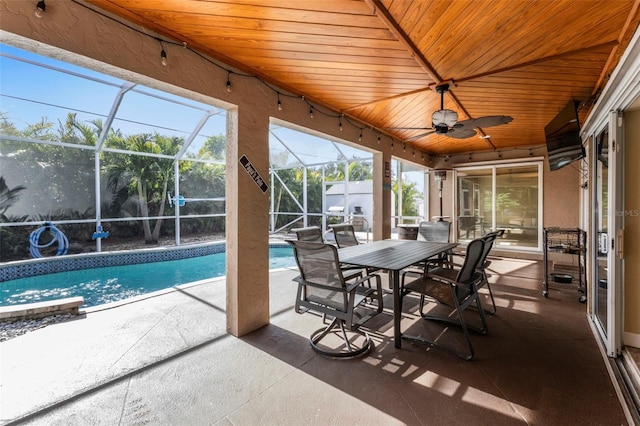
(114, 283)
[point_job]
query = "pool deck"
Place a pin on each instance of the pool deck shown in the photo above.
(167, 359)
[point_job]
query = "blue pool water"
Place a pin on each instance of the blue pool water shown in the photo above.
(110, 284)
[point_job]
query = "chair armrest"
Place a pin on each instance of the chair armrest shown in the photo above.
(442, 279)
(454, 283)
(356, 283)
(302, 281)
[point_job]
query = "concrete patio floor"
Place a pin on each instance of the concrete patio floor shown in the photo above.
(168, 360)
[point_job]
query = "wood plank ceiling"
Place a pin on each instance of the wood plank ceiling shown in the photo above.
(379, 61)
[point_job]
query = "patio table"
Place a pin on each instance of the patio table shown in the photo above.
(394, 256)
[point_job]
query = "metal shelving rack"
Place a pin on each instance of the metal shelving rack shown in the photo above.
(569, 241)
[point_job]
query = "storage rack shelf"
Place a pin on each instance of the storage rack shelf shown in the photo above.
(570, 241)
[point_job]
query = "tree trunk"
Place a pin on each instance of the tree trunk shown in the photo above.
(156, 229)
(144, 212)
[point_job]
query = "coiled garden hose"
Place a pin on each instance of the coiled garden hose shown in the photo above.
(58, 237)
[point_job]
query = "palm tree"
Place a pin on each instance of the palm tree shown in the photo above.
(8, 197)
(147, 176)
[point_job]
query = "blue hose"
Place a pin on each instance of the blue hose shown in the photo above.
(58, 236)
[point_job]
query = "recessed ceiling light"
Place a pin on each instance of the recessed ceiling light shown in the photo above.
(484, 137)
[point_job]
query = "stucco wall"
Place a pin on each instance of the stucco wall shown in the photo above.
(561, 196)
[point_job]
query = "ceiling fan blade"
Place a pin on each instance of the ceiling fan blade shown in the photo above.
(461, 133)
(482, 122)
(412, 138)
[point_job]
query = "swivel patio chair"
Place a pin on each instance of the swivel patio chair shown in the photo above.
(323, 289)
(454, 288)
(313, 234)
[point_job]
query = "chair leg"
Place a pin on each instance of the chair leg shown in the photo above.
(344, 336)
(463, 325)
(492, 299)
(459, 323)
(485, 280)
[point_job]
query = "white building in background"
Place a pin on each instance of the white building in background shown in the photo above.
(352, 198)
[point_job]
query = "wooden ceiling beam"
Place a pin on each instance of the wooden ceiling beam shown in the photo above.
(381, 12)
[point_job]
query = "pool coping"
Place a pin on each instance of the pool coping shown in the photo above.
(37, 310)
(42, 266)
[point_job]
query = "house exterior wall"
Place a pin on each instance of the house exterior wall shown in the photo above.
(561, 196)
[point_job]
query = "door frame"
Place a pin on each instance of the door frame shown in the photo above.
(618, 95)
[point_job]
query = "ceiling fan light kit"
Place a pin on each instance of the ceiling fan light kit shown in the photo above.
(444, 117)
(445, 121)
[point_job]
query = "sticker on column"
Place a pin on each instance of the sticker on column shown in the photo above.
(253, 173)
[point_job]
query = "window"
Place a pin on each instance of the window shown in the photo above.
(501, 197)
(408, 201)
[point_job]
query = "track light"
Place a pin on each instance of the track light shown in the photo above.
(40, 8)
(279, 103)
(310, 111)
(340, 124)
(360, 137)
(229, 82)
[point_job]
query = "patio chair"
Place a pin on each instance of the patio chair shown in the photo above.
(313, 234)
(440, 232)
(489, 240)
(309, 233)
(432, 231)
(454, 288)
(323, 289)
(344, 234)
(468, 224)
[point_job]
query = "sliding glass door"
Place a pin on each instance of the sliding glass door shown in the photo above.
(606, 252)
(505, 196)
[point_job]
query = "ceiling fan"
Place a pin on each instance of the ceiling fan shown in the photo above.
(445, 121)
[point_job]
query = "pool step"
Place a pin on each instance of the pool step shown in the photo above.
(37, 310)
